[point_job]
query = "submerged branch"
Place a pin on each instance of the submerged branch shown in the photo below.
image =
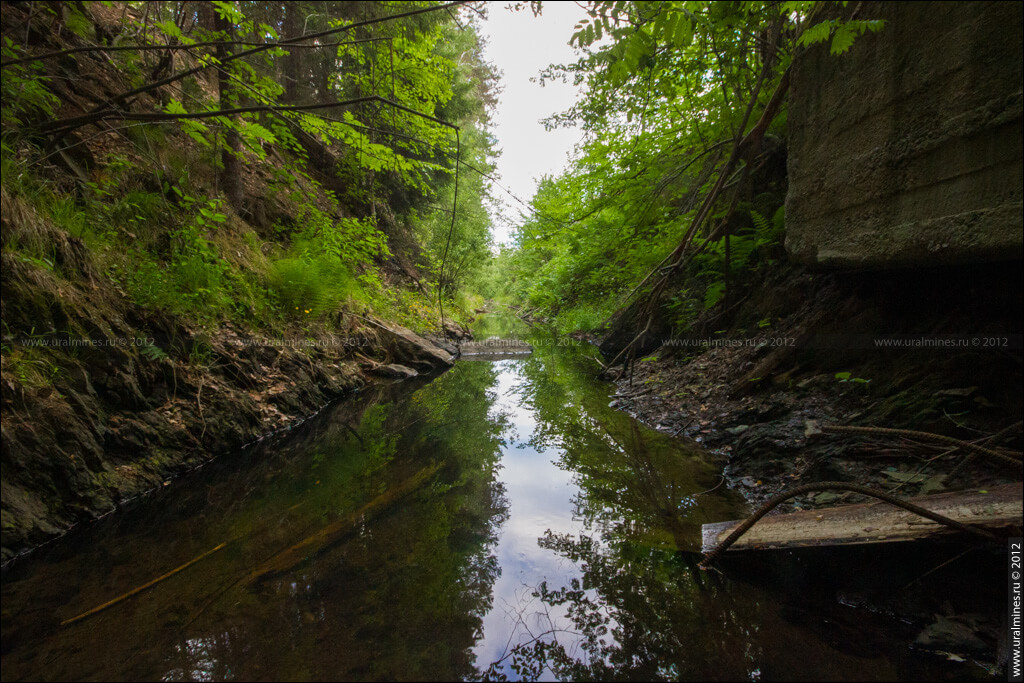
(296, 554)
(141, 588)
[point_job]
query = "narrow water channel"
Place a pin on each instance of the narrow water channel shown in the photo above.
(500, 521)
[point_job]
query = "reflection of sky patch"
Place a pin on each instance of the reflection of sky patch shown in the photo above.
(541, 497)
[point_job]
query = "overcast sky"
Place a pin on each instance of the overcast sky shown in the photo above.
(521, 45)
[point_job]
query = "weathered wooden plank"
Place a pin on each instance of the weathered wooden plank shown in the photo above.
(494, 349)
(875, 522)
(494, 356)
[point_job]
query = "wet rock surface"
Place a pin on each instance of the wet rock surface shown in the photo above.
(394, 371)
(401, 343)
(763, 437)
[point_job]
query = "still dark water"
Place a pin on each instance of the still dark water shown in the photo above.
(499, 521)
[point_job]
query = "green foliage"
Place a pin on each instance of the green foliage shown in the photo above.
(351, 188)
(32, 368)
(714, 293)
(842, 33)
(353, 242)
(848, 377)
(415, 310)
(667, 85)
(153, 352)
(682, 309)
(77, 22)
(26, 96)
(310, 287)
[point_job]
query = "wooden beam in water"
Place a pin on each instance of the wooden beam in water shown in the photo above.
(876, 522)
(494, 349)
(493, 356)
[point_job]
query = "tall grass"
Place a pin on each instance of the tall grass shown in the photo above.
(313, 286)
(188, 256)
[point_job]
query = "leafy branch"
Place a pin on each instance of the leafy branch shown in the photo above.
(109, 109)
(66, 125)
(163, 47)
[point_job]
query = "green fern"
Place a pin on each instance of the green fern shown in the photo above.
(153, 352)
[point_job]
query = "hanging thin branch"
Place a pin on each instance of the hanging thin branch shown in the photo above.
(744, 149)
(66, 125)
(108, 108)
(174, 47)
(451, 229)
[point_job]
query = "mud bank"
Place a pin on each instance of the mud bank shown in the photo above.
(802, 348)
(115, 421)
(750, 402)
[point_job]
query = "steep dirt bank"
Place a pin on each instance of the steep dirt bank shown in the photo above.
(103, 400)
(803, 347)
(122, 261)
(114, 424)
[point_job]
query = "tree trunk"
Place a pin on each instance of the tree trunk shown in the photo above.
(292, 28)
(231, 167)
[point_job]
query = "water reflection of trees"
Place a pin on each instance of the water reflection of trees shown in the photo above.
(401, 596)
(640, 613)
(636, 483)
(404, 598)
(643, 611)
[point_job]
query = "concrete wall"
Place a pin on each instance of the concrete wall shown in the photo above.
(906, 150)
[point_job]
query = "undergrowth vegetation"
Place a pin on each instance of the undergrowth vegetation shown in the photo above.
(287, 216)
(231, 176)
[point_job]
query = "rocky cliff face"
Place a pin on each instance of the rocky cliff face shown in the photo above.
(907, 151)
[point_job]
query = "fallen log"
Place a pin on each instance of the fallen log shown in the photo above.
(298, 553)
(997, 507)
